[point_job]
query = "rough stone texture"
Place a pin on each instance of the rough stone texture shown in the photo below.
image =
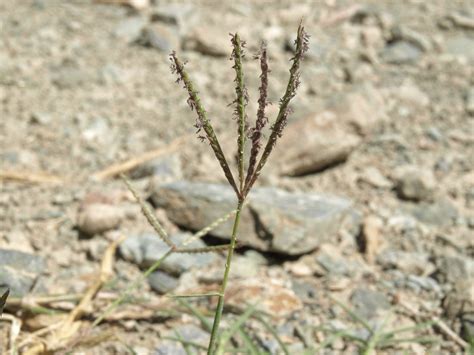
(368, 303)
(19, 270)
(439, 213)
(360, 109)
(273, 220)
(311, 145)
(96, 218)
(415, 183)
(145, 249)
(162, 283)
(269, 296)
(401, 52)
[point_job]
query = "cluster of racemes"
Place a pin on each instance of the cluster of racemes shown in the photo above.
(205, 130)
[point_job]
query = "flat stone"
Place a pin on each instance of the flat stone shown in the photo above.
(401, 52)
(309, 146)
(145, 249)
(19, 271)
(415, 183)
(460, 46)
(159, 37)
(454, 268)
(369, 303)
(162, 283)
(209, 41)
(97, 218)
(359, 110)
(439, 213)
(273, 220)
(130, 28)
(408, 262)
(269, 296)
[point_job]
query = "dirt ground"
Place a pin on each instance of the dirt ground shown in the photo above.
(86, 85)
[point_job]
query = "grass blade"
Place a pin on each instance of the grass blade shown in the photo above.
(274, 333)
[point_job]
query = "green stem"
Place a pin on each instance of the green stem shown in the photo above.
(220, 304)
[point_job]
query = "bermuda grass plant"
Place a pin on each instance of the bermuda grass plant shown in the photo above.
(248, 173)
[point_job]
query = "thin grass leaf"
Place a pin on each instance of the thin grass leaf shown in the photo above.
(274, 333)
(186, 347)
(329, 340)
(131, 288)
(204, 322)
(419, 326)
(149, 214)
(251, 347)
(202, 122)
(262, 120)
(282, 118)
(240, 102)
(228, 334)
(355, 316)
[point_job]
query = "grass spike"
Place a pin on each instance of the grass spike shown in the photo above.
(241, 102)
(149, 214)
(256, 132)
(282, 118)
(202, 122)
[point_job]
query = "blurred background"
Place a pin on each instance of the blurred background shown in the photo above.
(369, 198)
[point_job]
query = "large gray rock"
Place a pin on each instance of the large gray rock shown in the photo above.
(19, 271)
(273, 220)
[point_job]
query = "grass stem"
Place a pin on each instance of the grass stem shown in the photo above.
(220, 304)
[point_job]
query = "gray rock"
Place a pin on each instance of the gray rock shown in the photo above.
(180, 15)
(415, 183)
(191, 332)
(19, 271)
(162, 170)
(309, 147)
(97, 218)
(335, 265)
(454, 268)
(168, 347)
(41, 118)
(162, 283)
(145, 249)
(460, 46)
(425, 283)
(369, 303)
(111, 74)
(440, 213)
(247, 265)
(130, 28)
(408, 262)
(373, 176)
(159, 37)
(401, 52)
(69, 75)
(273, 220)
(208, 40)
(470, 101)
(411, 36)
(188, 332)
